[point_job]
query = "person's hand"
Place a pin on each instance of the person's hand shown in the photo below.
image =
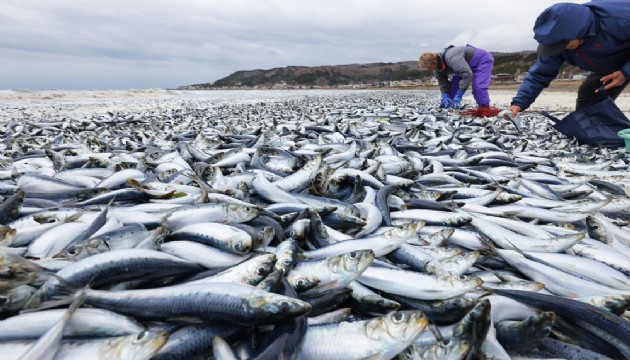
(515, 109)
(456, 103)
(446, 101)
(612, 80)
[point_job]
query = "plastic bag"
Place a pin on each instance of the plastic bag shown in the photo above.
(595, 124)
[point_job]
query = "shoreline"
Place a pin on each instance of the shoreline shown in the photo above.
(559, 97)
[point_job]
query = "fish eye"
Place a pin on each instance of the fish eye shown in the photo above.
(261, 271)
(300, 282)
(142, 336)
(353, 255)
(398, 317)
(463, 277)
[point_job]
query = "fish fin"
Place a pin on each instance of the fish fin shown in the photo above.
(60, 301)
(135, 184)
(517, 249)
(490, 290)
(165, 223)
(320, 288)
(491, 248)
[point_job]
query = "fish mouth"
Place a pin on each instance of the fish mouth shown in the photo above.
(293, 307)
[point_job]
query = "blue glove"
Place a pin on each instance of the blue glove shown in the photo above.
(446, 101)
(456, 102)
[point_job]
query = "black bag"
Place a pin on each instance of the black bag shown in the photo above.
(594, 124)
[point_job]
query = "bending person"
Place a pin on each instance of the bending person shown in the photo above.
(467, 65)
(594, 36)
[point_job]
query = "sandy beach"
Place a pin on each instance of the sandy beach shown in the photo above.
(556, 99)
(551, 100)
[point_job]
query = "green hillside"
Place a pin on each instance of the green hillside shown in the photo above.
(372, 73)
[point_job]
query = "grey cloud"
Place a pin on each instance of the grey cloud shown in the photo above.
(162, 43)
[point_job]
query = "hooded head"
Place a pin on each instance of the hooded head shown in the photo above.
(559, 24)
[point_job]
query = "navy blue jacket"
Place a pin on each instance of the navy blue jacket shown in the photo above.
(605, 27)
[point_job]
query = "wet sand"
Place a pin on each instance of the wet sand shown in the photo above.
(560, 96)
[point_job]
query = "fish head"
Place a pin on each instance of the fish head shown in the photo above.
(313, 163)
(470, 256)
(137, 346)
(267, 234)
(617, 304)
(270, 307)
(14, 299)
(15, 270)
(403, 232)
(443, 234)
(259, 267)
(454, 349)
(381, 303)
(47, 218)
(241, 244)
(458, 220)
(241, 213)
(540, 325)
(596, 228)
(463, 282)
(475, 324)
(317, 225)
(354, 262)
(6, 235)
(457, 349)
(431, 195)
(299, 228)
(506, 198)
(433, 266)
(272, 281)
(160, 234)
(83, 250)
(457, 303)
(286, 254)
(303, 283)
(396, 330)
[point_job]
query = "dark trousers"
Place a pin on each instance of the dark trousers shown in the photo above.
(586, 92)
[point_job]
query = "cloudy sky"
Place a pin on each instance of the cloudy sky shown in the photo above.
(139, 44)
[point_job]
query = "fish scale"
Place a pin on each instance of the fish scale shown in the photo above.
(297, 163)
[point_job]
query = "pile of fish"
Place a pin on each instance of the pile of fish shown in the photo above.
(346, 226)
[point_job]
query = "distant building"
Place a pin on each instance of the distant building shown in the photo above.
(280, 85)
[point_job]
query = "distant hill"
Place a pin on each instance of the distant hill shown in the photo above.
(371, 73)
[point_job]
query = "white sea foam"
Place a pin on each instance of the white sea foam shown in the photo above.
(39, 104)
